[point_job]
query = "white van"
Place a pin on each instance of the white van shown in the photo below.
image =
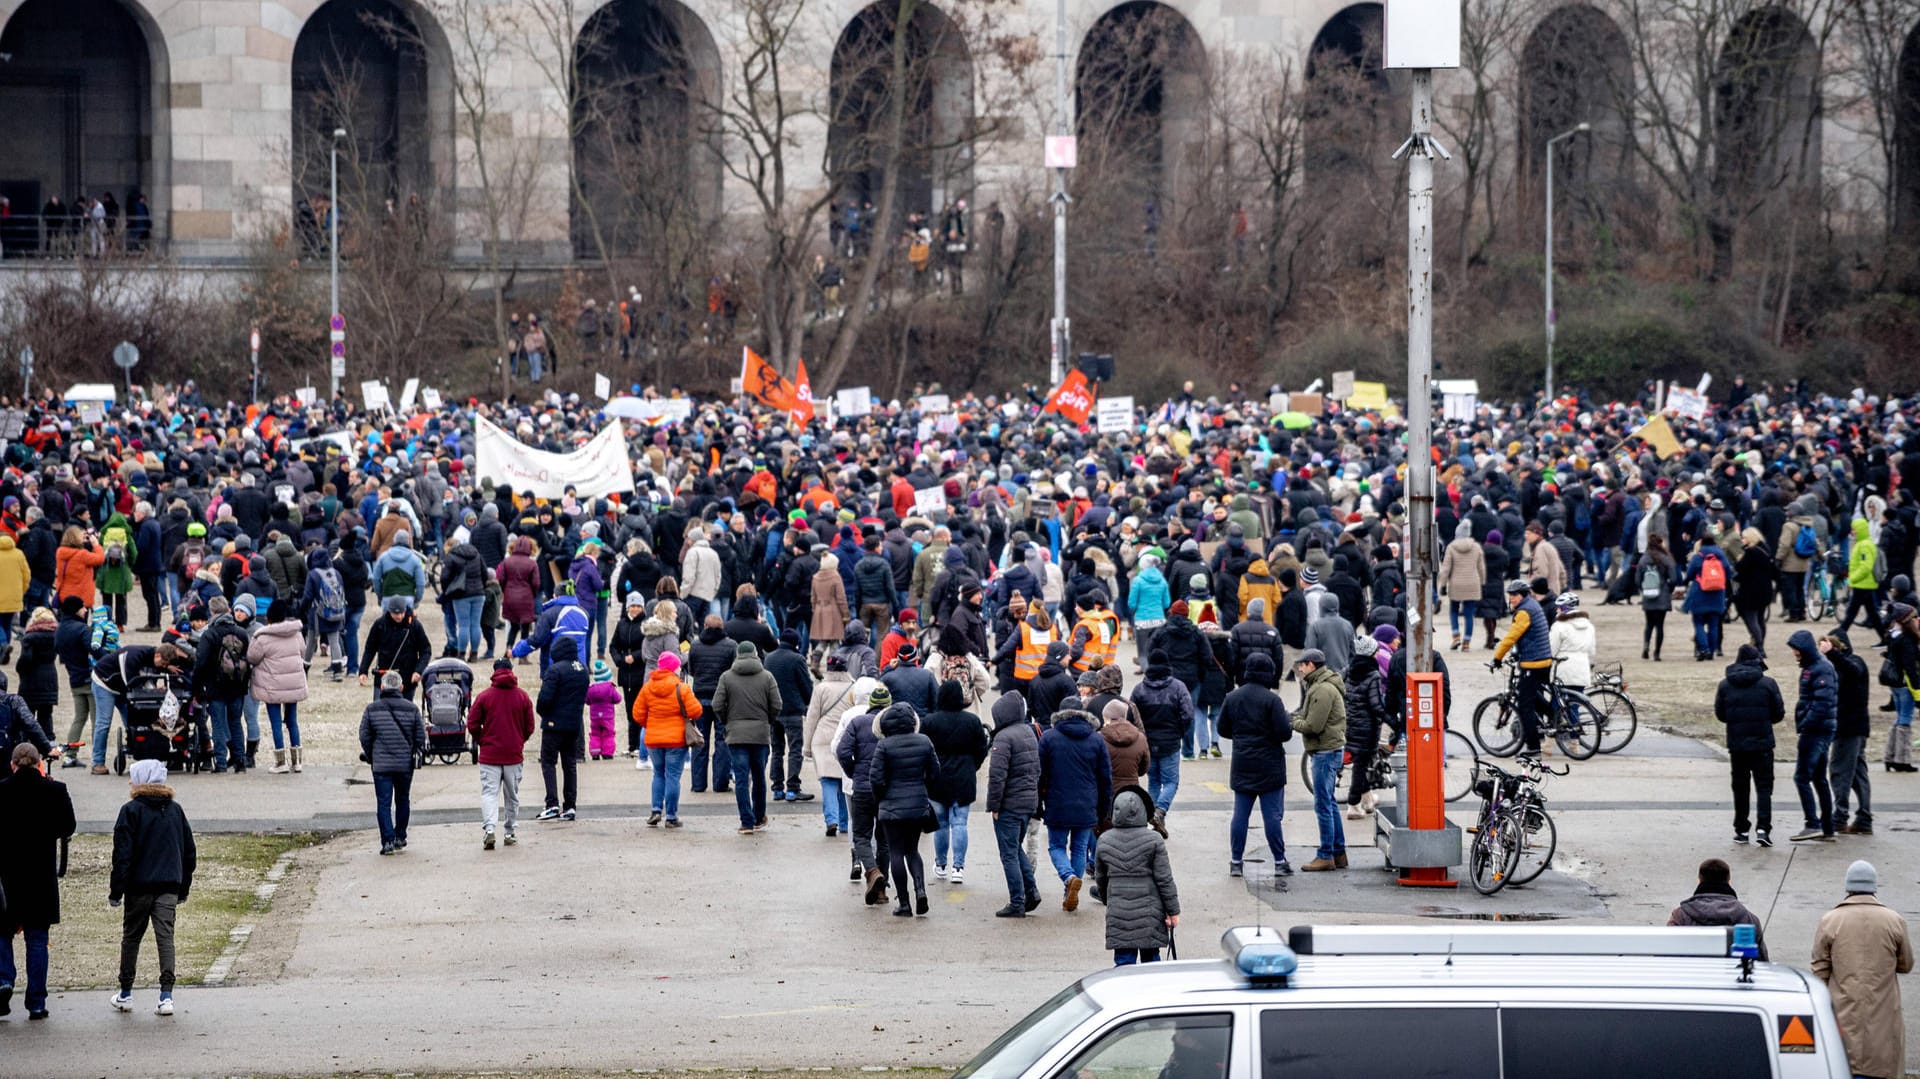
(1398, 1002)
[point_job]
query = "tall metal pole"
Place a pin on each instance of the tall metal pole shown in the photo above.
(1550, 319)
(1420, 370)
(1062, 336)
(333, 243)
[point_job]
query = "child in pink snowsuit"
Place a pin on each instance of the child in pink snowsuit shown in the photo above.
(603, 713)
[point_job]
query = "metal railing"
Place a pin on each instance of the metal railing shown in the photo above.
(70, 236)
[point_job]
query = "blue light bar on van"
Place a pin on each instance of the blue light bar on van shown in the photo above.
(1746, 943)
(1260, 953)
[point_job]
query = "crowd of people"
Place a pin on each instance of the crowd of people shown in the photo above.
(773, 598)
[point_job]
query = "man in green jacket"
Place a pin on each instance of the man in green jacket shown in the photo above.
(1322, 723)
(1866, 571)
(748, 700)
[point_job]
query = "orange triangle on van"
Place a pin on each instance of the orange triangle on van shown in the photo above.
(1796, 1035)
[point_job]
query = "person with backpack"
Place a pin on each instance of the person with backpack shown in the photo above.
(1656, 568)
(323, 609)
(1800, 542)
(279, 680)
(222, 672)
(1706, 578)
(463, 584)
(1866, 572)
(391, 734)
(399, 572)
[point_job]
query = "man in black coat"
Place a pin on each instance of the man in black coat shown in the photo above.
(1749, 704)
(40, 544)
(1253, 718)
(36, 815)
(561, 707)
(396, 642)
(1254, 635)
(153, 864)
(789, 669)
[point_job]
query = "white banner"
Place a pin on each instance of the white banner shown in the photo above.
(934, 402)
(598, 468)
(854, 401)
(1114, 414)
(408, 392)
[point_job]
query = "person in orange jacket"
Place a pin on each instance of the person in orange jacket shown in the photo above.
(665, 710)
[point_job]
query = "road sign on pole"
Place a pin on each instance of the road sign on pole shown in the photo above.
(253, 345)
(337, 334)
(125, 357)
(26, 373)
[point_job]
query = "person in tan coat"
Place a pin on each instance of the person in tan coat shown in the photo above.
(829, 604)
(1463, 576)
(277, 652)
(1860, 949)
(1544, 561)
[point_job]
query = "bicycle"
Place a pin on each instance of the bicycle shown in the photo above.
(1570, 716)
(1827, 586)
(1615, 715)
(1515, 838)
(1462, 764)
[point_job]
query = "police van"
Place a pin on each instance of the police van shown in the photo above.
(1473, 1002)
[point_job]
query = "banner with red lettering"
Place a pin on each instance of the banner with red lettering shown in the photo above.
(802, 407)
(1071, 399)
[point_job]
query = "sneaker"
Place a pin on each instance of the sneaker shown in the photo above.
(1033, 903)
(1235, 869)
(653, 819)
(1010, 911)
(1805, 834)
(1214, 752)
(165, 1007)
(1861, 829)
(123, 1002)
(1071, 901)
(1740, 838)
(799, 796)
(954, 877)
(1764, 839)
(940, 872)
(549, 813)
(512, 839)
(387, 848)
(747, 831)
(568, 815)
(646, 763)
(1283, 868)
(832, 830)
(399, 844)
(486, 840)
(673, 823)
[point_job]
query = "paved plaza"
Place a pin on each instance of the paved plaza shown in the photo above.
(604, 944)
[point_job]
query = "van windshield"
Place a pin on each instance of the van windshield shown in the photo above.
(1013, 1052)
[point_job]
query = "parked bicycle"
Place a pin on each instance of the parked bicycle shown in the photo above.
(1566, 714)
(1515, 838)
(1827, 586)
(1616, 718)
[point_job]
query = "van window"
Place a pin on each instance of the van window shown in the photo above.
(1013, 1052)
(1368, 1043)
(1589, 1043)
(1161, 1047)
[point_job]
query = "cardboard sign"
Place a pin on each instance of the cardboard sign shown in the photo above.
(934, 402)
(930, 501)
(409, 391)
(854, 401)
(1458, 407)
(1114, 414)
(1310, 403)
(602, 387)
(946, 423)
(1684, 402)
(1342, 385)
(93, 412)
(374, 395)
(307, 395)
(430, 397)
(1367, 395)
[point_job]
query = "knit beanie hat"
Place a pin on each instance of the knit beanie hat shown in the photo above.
(669, 662)
(880, 699)
(602, 672)
(1862, 878)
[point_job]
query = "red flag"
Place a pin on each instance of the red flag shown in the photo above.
(802, 407)
(758, 378)
(1071, 398)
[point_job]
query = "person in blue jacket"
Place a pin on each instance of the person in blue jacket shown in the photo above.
(1706, 601)
(561, 616)
(1816, 716)
(1076, 794)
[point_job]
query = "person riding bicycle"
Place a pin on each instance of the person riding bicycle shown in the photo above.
(1527, 639)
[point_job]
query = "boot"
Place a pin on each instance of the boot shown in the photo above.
(295, 754)
(279, 763)
(253, 748)
(876, 887)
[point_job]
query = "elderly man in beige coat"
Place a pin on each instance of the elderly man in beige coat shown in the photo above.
(1859, 950)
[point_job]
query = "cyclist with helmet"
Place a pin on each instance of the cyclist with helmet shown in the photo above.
(1573, 642)
(1527, 639)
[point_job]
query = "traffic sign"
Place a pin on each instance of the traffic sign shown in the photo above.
(253, 341)
(26, 360)
(1063, 152)
(125, 355)
(339, 349)
(340, 365)
(338, 323)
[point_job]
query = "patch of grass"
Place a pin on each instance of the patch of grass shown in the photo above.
(86, 943)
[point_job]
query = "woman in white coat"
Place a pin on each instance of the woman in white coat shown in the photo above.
(1573, 642)
(832, 705)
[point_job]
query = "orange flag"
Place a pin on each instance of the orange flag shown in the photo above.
(802, 407)
(758, 378)
(1071, 398)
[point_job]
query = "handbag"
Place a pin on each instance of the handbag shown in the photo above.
(1890, 674)
(930, 823)
(695, 739)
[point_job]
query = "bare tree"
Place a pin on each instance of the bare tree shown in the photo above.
(1488, 31)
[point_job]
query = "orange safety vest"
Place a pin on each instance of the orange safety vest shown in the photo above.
(1103, 630)
(1032, 652)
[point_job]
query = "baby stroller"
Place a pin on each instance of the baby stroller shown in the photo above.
(159, 725)
(447, 689)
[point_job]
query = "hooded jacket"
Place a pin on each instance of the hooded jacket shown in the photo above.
(853, 748)
(1718, 905)
(1818, 706)
(1322, 719)
(153, 851)
(961, 744)
(1366, 705)
(1076, 775)
(1862, 569)
(1749, 704)
(747, 699)
(501, 720)
(563, 689)
(1166, 710)
(39, 813)
(1256, 722)
(1259, 583)
(707, 659)
(903, 765)
(833, 697)
(15, 576)
(789, 670)
(395, 646)
(1135, 876)
(278, 654)
(1573, 642)
(1013, 777)
(463, 575)
(665, 707)
(288, 568)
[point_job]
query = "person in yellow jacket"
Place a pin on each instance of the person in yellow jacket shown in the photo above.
(15, 577)
(1866, 572)
(1260, 582)
(1095, 634)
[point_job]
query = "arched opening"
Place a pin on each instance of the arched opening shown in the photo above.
(1766, 113)
(1576, 69)
(379, 72)
(645, 155)
(1354, 119)
(933, 162)
(1140, 89)
(83, 117)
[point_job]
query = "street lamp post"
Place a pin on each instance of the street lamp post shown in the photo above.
(1583, 126)
(333, 240)
(1062, 333)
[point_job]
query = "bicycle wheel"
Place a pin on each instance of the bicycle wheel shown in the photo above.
(1461, 766)
(1495, 851)
(1817, 606)
(1537, 840)
(1577, 732)
(1496, 726)
(1340, 779)
(1619, 720)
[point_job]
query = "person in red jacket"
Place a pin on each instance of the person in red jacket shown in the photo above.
(501, 721)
